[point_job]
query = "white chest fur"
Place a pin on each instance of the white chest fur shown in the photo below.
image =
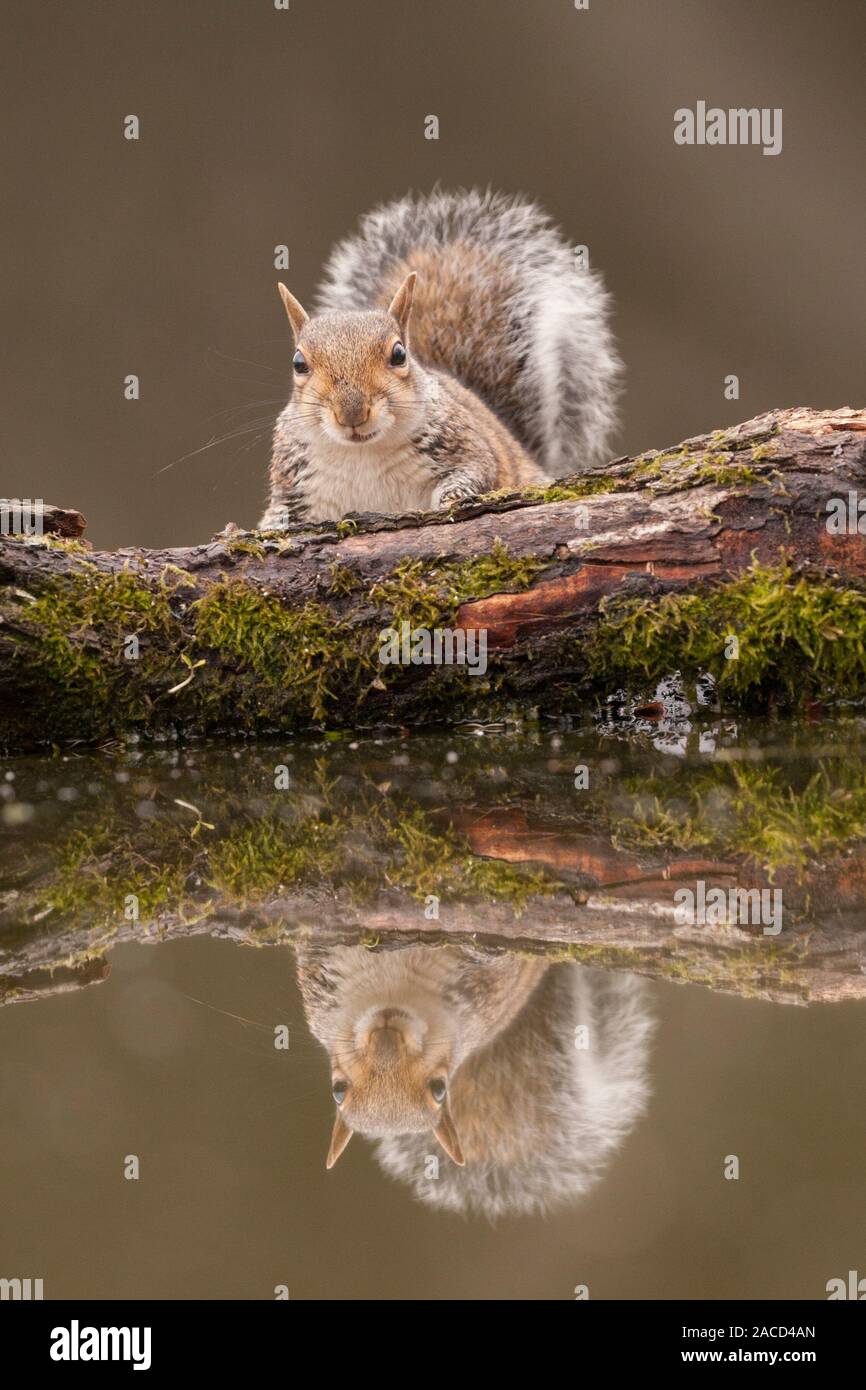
(363, 478)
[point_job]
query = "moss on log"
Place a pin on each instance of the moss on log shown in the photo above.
(350, 847)
(612, 577)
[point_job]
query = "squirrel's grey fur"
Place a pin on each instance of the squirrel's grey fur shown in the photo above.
(571, 1108)
(566, 372)
(511, 376)
(534, 1110)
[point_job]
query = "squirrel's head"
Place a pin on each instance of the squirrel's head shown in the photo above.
(392, 1077)
(353, 378)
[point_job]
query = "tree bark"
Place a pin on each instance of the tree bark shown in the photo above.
(611, 909)
(254, 633)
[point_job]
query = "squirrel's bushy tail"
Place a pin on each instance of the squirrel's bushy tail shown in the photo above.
(552, 1115)
(500, 303)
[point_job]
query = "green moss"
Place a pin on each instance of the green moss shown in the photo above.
(726, 463)
(590, 486)
(364, 839)
(238, 656)
(172, 579)
(83, 625)
(100, 868)
(308, 661)
(172, 870)
(786, 827)
(648, 467)
(742, 812)
(343, 581)
(260, 859)
(241, 657)
(428, 594)
(438, 862)
(602, 957)
(71, 545)
(245, 545)
(796, 634)
(301, 658)
(669, 471)
(748, 970)
(276, 540)
(678, 470)
(726, 474)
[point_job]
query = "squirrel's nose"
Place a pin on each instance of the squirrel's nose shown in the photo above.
(351, 409)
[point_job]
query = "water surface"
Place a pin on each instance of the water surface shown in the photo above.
(196, 943)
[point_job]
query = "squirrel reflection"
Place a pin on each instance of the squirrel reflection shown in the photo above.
(446, 1049)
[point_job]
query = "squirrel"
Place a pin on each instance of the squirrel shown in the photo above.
(455, 350)
(480, 1056)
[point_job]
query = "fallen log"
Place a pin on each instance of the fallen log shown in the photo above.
(717, 557)
(26, 517)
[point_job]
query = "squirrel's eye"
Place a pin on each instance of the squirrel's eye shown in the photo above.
(300, 364)
(438, 1089)
(398, 355)
(339, 1090)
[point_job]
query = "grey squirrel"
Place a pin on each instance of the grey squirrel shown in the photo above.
(456, 349)
(525, 1075)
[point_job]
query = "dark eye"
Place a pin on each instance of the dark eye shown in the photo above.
(339, 1090)
(398, 355)
(299, 362)
(438, 1089)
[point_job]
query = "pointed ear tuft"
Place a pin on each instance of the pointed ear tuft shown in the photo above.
(296, 312)
(446, 1133)
(340, 1136)
(401, 305)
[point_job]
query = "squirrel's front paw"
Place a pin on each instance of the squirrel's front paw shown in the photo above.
(447, 494)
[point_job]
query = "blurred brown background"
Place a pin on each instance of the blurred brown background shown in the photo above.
(261, 127)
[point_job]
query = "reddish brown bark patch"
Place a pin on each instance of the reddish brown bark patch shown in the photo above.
(554, 603)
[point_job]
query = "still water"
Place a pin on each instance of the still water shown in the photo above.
(455, 967)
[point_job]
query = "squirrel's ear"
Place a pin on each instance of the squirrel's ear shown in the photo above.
(446, 1134)
(401, 305)
(340, 1137)
(296, 312)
